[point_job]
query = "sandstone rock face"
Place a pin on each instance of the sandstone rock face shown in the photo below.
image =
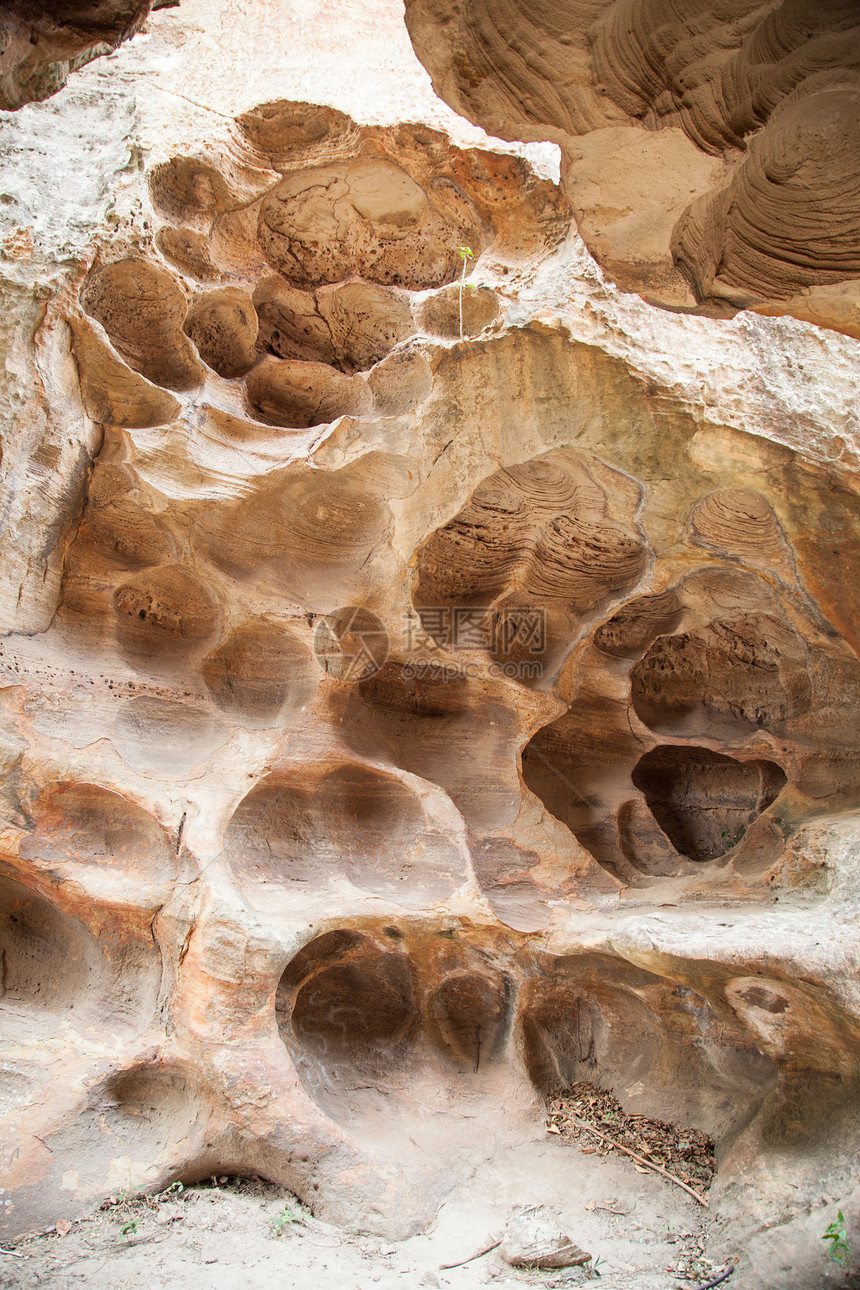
(712, 151)
(414, 701)
(43, 41)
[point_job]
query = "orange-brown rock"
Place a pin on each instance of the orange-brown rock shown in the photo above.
(407, 708)
(711, 154)
(43, 41)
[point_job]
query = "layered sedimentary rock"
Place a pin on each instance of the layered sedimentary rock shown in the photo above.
(409, 709)
(43, 41)
(711, 151)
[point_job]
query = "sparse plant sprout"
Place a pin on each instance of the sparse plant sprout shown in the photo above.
(839, 1247)
(466, 254)
(129, 1228)
(281, 1222)
(174, 1190)
(592, 1268)
(123, 1200)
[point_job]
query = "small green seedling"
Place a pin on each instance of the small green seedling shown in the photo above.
(129, 1228)
(466, 254)
(593, 1267)
(282, 1221)
(835, 1234)
(175, 1189)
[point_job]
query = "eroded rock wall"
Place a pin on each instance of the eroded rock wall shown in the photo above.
(43, 41)
(711, 151)
(416, 697)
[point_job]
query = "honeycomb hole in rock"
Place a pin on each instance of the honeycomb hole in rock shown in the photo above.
(351, 325)
(153, 1102)
(528, 641)
(367, 218)
(722, 680)
(633, 628)
(49, 962)
(290, 325)
(110, 390)
(90, 825)
(591, 1031)
(351, 821)
(741, 521)
(316, 954)
(444, 730)
(578, 766)
(818, 1096)
(440, 314)
(223, 326)
(633, 831)
(258, 671)
(165, 735)
(351, 643)
(284, 132)
(351, 1017)
(470, 1008)
(539, 545)
(365, 321)
(296, 395)
(705, 801)
(188, 190)
(386, 846)
(142, 308)
(188, 252)
(151, 1117)
(310, 531)
(138, 1127)
(119, 528)
(162, 616)
(659, 1046)
(400, 383)
(273, 835)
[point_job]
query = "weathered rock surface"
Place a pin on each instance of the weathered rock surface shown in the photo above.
(402, 718)
(534, 1239)
(43, 41)
(711, 151)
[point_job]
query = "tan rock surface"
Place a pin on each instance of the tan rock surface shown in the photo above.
(396, 723)
(43, 41)
(711, 152)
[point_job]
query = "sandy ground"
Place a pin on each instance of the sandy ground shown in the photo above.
(240, 1234)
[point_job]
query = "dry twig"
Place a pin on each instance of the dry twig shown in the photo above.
(480, 1253)
(581, 1124)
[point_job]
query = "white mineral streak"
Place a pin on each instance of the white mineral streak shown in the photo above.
(775, 377)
